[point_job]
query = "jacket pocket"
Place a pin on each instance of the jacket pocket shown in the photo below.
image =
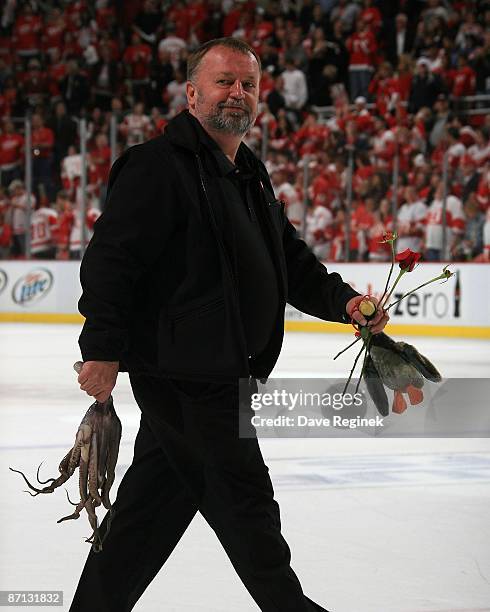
(197, 340)
(182, 314)
(276, 214)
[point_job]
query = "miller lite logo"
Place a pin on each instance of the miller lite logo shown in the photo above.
(32, 287)
(3, 280)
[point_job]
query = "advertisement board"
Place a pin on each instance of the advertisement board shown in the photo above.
(456, 307)
(49, 291)
(44, 291)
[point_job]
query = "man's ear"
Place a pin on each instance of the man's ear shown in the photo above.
(191, 93)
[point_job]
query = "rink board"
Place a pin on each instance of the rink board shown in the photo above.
(48, 292)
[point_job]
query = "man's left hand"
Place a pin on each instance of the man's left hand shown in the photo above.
(376, 324)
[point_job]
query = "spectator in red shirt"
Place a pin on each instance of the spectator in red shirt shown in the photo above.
(137, 58)
(362, 47)
(74, 11)
(383, 222)
(311, 136)
(362, 219)
(53, 32)
(66, 217)
(464, 79)
(11, 153)
(178, 17)
(34, 84)
(402, 80)
(42, 157)
(56, 71)
(371, 16)
(27, 33)
(196, 16)
(100, 158)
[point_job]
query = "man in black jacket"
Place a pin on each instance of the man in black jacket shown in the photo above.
(184, 286)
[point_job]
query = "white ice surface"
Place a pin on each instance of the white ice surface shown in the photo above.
(374, 525)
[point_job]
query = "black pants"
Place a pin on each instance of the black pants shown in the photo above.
(188, 457)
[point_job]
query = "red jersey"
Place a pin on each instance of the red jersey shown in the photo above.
(138, 57)
(230, 21)
(43, 137)
(196, 15)
(464, 82)
(104, 16)
(310, 138)
(5, 235)
(373, 17)
(11, 149)
(483, 193)
(377, 249)
(101, 158)
(362, 47)
(401, 84)
(361, 218)
(179, 16)
(56, 73)
(63, 228)
(43, 229)
(35, 85)
(71, 49)
(53, 37)
(73, 13)
(27, 33)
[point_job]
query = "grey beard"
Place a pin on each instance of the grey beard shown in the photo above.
(230, 124)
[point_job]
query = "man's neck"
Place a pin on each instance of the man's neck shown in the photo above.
(228, 143)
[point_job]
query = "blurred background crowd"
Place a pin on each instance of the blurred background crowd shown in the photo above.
(373, 115)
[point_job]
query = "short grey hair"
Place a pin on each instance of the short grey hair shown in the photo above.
(236, 44)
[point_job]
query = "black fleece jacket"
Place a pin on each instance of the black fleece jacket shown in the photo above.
(159, 280)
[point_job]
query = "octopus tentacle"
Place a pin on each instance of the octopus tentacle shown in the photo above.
(43, 481)
(82, 480)
(69, 500)
(113, 450)
(75, 515)
(74, 458)
(92, 470)
(56, 483)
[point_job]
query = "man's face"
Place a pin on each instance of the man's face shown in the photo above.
(225, 92)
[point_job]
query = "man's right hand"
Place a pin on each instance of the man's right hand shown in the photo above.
(98, 378)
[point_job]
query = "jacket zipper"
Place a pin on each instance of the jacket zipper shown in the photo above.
(221, 245)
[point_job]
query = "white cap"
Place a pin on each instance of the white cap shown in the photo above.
(419, 160)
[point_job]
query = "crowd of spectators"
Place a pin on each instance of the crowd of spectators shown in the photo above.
(350, 90)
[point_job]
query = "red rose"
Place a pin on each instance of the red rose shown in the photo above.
(388, 237)
(407, 259)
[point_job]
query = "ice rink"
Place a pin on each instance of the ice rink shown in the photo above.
(374, 525)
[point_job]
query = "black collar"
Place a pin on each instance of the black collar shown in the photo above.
(186, 131)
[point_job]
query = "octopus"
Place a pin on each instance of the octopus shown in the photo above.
(95, 453)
